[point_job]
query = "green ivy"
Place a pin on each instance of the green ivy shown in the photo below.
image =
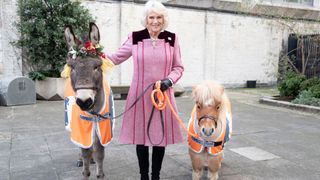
(35, 75)
(41, 26)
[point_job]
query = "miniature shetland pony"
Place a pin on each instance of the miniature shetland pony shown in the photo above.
(211, 121)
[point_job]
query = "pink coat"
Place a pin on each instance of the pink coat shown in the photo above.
(153, 61)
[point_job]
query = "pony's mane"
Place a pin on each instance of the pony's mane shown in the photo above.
(106, 67)
(207, 93)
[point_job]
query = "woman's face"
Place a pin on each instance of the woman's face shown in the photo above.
(155, 22)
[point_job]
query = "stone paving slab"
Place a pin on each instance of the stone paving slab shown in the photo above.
(35, 145)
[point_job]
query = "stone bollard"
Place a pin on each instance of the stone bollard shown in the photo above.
(17, 91)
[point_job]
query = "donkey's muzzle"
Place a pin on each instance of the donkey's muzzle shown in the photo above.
(85, 105)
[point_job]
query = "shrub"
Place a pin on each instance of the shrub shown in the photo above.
(41, 26)
(307, 97)
(305, 85)
(290, 86)
(315, 90)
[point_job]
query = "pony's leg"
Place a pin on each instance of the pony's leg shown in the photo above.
(98, 157)
(214, 164)
(197, 165)
(86, 155)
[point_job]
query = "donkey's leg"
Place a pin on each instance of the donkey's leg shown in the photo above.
(98, 157)
(86, 155)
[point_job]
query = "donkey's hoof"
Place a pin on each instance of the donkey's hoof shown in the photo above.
(100, 176)
(79, 163)
(86, 174)
(85, 178)
(92, 161)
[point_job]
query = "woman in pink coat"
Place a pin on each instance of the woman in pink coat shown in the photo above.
(156, 56)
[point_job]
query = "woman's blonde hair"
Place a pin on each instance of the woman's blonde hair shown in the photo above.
(157, 7)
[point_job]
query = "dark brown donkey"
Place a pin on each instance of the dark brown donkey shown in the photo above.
(89, 93)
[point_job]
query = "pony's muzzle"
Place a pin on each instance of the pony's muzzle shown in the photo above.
(207, 131)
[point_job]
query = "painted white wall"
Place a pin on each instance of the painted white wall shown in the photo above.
(225, 47)
(229, 48)
(316, 3)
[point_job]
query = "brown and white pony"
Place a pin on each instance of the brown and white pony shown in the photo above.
(211, 120)
(87, 97)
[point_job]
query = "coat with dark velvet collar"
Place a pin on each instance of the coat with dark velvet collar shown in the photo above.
(153, 60)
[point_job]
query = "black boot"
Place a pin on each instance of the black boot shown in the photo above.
(143, 158)
(157, 158)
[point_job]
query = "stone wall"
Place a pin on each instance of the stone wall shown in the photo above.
(10, 56)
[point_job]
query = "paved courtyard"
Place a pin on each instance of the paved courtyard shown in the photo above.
(269, 142)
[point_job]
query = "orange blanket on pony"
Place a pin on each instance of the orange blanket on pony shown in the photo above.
(212, 147)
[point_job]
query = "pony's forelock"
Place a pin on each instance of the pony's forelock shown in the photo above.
(206, 94)
(203, 94)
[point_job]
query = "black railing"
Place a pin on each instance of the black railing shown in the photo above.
(304, 50)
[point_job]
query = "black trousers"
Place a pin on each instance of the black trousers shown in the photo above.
(143, 158)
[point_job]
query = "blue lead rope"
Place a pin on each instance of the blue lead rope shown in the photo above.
(97, 117)
(206, 143)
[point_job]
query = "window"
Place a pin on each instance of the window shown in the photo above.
(304, 2)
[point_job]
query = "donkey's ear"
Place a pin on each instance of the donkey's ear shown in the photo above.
(94, 34)
(69, 36)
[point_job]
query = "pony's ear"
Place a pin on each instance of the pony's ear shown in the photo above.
(69, 36)
(220, 88)
(94, 34)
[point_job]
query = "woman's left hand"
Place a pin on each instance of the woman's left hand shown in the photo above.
(165, 84)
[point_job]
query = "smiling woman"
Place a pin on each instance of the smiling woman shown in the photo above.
(154, 25)
(156, 56)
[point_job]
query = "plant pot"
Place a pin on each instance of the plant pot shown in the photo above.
(50, 89)
(251, 83)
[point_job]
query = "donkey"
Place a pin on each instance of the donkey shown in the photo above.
(88, 99)
(211, 120)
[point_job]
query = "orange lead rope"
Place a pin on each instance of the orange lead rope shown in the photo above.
(163, 98)
(161, 104)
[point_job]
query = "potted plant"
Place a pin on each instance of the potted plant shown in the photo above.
(42, 41)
